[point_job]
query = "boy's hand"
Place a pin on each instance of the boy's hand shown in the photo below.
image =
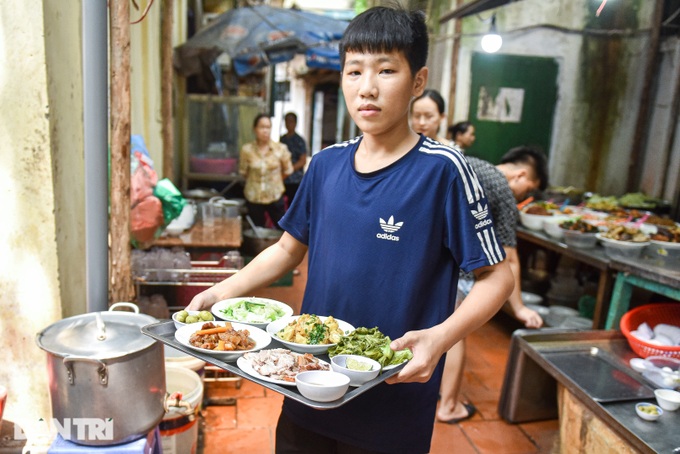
(203, 301)
(426, 354)
(529, 317)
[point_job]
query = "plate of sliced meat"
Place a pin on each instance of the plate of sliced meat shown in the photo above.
(279, 365)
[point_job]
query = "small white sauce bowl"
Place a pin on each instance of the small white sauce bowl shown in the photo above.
(667, 399)
(322, 386)
(356, 377)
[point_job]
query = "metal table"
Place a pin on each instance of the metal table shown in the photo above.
(593, 367)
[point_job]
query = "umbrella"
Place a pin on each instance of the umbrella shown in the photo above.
(257, 36)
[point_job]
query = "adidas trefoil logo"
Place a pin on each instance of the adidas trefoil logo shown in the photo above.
(480, 213)
(390, 226)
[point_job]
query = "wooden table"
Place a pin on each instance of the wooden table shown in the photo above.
(644, 273)
(617, 277)
(225, 233)
(594, 257)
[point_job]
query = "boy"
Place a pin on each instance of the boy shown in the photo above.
(522, 170)
(387, 219)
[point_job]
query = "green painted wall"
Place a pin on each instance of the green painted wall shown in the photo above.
(533, 77)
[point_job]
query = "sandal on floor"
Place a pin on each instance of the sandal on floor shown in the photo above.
(471, 410)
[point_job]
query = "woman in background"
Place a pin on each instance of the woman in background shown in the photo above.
(462, 135)
(264, 164)
(427, 114)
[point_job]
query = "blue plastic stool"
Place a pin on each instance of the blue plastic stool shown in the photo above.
(151, 444)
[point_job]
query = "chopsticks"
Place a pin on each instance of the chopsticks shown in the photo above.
(525, 202)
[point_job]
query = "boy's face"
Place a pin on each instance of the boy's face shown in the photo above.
(378, 89)
(522, 183)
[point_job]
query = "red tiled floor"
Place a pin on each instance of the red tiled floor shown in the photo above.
(448, 438)
(249, 425)
(497, 437)
(542, 433)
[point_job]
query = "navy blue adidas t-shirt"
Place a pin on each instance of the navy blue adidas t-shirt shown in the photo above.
(385, 249)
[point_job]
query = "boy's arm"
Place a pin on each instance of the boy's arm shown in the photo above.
(515, 306)
(493, 286)
(267, 267)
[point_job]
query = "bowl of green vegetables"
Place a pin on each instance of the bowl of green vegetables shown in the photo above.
(254, 311)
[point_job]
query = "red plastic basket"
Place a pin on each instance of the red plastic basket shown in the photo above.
(652, 314)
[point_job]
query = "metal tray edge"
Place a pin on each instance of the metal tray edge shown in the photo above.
(164, 332)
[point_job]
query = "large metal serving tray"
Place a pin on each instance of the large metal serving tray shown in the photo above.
(165, 332)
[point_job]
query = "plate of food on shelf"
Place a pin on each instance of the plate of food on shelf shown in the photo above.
(602, 203)
(254, 311)
(309, 333)
(667, 236)
(371, 343)
(579, 234)
(661, 221)
(665, 246)
(551, 225)
(621, 242)
(224, 340)
(533, 215)
(641, 201)
(279, 365)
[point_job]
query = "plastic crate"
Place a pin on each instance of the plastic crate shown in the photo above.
(652, 314)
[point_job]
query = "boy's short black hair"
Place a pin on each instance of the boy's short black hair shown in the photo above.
(388, 29)
(532, 157)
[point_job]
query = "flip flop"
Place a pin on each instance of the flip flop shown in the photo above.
(471, 410)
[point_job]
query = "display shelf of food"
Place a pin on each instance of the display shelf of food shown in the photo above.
(164, 332)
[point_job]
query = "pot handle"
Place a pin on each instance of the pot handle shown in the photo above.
(175, 400)
(103, 371)
(132, 306)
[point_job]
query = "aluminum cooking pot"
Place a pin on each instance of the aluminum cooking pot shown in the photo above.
(106, 378)
(254, 244)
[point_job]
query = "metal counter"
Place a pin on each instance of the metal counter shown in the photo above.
(593, 366)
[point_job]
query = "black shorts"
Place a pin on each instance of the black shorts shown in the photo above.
(293, 439)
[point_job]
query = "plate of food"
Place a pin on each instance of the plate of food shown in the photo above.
(255, 311)
(224, 340)
(309, 333)
(371, 343)
(279, 365)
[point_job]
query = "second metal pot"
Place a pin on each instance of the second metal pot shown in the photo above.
(254, 244)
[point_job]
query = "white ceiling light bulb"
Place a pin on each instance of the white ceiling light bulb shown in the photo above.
(492, 41)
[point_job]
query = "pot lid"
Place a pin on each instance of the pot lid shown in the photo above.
(101, 335)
